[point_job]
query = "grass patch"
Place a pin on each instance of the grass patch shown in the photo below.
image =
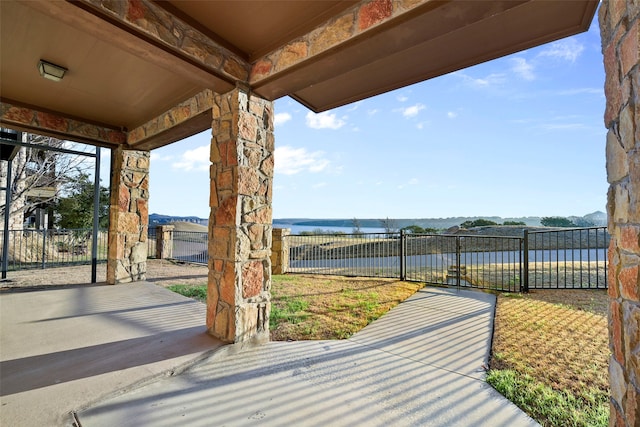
(548, 406)
(337, 307)
(291, 311)
(307, 307)
(198, 292)
(549, 356)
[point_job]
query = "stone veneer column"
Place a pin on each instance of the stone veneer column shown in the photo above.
(164, 241)
(620, 31)
(280, 250)
(238, 299)
(128, 216)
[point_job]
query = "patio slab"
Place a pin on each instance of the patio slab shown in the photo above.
(422, 364)
(62, 349)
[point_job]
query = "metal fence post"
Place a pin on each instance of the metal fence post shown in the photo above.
(7, 213)
(458, 266)
(403, 266)
(525, 262)
(44, 247)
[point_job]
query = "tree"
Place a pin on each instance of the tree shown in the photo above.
(414, 229)
(389, 225)
(39, 177)
(477, 223)
(514, 223)
(356, 227)
(75, 210)
(556, 221)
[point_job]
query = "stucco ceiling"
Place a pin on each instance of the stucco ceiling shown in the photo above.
(123, 72)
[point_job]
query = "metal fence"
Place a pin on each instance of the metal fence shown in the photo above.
(566, 259)
(367, 255)
(30, 249)
(571, 258)
(187, 246)
(472, 261)
(191, 246)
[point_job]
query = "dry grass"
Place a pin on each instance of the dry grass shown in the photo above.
(312, 307)
(560, 339)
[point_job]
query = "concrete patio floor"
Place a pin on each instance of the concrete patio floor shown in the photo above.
(138, 355)
(63, 348)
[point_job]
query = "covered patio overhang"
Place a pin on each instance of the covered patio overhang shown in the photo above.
(141, 74)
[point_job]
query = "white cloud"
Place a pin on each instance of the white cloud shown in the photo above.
(373, 112)
(156, 157)
(290, 161)
(320, 185)
(412, 111)
(402, 98)
(412, 181)
(281, 118)
(325, 120)
(562, 126)
(579, 91)
(478, 83)
(452, 114)
(522, 68)
(567, 49)
(196, 159)
(423, 124)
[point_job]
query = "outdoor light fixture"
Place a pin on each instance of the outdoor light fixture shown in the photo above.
(51, 71)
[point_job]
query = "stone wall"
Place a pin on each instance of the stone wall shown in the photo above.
(620, 31)
(238, 301)
(128, 216)
(280, 250)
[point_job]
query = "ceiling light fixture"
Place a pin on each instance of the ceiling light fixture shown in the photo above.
(51, 71)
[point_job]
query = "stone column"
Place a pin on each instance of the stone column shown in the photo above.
(164, 241)
(280, 250)
(128, 216)
(620, 31)
(238, 300)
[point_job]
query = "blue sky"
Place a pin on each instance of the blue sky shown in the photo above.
(522, 135)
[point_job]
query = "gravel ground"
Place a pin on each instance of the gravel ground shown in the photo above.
(162, 272)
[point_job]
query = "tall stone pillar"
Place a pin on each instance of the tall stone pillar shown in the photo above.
(619, 26)
(128, 216)
(238, 300)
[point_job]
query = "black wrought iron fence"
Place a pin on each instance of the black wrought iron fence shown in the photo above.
(191, 246)
(363, 254)
(151, 242)
(30, 248)
(566, 259)
(571, 258)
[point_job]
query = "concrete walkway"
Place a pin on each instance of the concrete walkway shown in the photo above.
(422, 364)
(64, 348)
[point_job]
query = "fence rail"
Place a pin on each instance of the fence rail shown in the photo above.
(570, 258)
(550, 259)
(31, 249)
(367, 254)
(187, 246)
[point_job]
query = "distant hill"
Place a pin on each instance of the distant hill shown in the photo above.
(189, 226)
(158, 219)
(596, 218)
